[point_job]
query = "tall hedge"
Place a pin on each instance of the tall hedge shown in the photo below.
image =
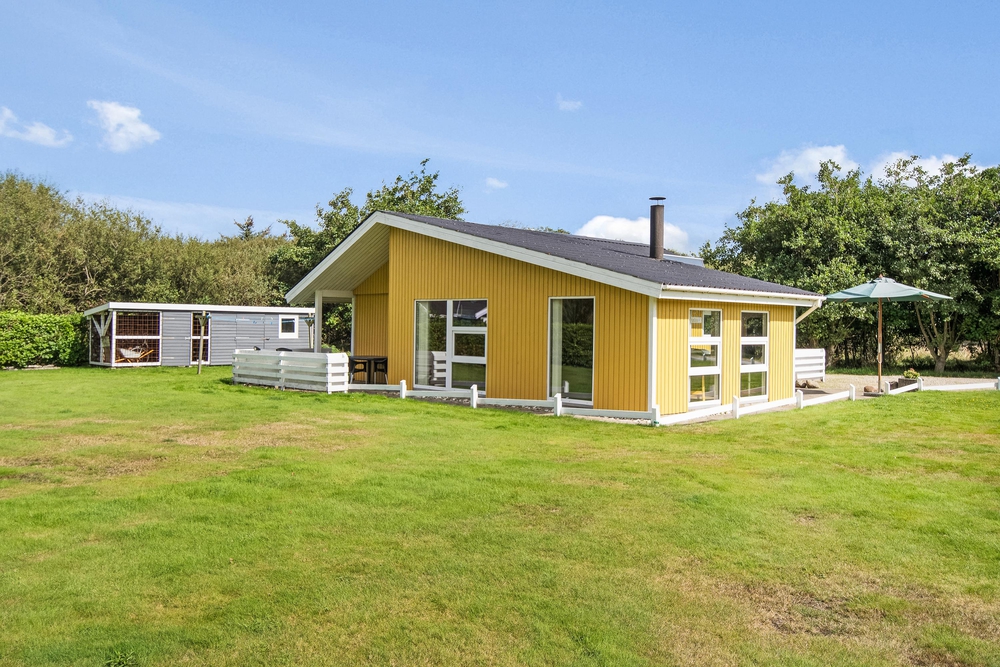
(26, 339)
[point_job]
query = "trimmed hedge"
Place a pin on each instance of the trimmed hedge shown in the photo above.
(26, 339)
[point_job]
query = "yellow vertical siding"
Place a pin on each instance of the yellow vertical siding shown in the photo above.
(422, 267)
(672, 351)
(371, 314)
(781, 340)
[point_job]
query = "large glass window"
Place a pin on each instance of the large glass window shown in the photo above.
(753, 355)
(704, 356)
(571, 348)
(451, 344)
(431, 359)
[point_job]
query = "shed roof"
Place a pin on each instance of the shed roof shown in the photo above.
(198, 307)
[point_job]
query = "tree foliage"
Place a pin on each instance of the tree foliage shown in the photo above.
(937, 231)
(418, 193)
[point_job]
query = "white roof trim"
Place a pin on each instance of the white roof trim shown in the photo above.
(198, 307)
(740, 296)
(604, 276)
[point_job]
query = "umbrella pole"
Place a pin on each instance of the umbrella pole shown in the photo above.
(879, 387)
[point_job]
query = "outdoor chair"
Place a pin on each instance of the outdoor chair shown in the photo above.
(380, 366)
(358, 366)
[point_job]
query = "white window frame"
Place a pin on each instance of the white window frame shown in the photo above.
(294, 334)
(450, 331)
(756, 368)
(548, 352)
(208, 325)
(704, 370)
(114, 339)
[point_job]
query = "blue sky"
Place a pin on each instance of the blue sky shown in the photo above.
(563, 115)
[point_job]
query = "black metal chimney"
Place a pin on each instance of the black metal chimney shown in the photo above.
(656, 227)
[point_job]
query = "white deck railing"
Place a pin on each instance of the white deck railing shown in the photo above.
(309, 371)
(329, 372)
(810, 364)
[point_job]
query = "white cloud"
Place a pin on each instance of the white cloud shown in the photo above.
(805, 162)
(495, 184)
(931, 164)
(123, 130)
(567, 105)
(36, 133)
(637, 231)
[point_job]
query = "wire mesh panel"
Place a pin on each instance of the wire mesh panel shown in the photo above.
(200, 336)
(137, 338)
(137, 350)
(137, 325)
(95, 342)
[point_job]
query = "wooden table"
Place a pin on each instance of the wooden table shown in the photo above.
(369, 364)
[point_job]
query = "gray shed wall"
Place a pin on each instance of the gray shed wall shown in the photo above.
(175, 330)
(227, 331)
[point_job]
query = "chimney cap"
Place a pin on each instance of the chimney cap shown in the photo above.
(657, 198)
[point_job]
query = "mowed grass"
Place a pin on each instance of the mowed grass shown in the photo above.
(155, 517)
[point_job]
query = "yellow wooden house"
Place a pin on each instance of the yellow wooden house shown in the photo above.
(525, 314)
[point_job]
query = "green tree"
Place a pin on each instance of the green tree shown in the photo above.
(418, 193)
(935, 231)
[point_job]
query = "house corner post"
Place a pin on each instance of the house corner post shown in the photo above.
(318, 322)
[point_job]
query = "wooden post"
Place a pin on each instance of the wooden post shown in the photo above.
(558, 405)
(798, 399)
(920, 383)
(879, 385)
(201, 339)
(655, 420)
(736, 407)
(318, 322)
(473, 396)
(852, 390)
(402, 388)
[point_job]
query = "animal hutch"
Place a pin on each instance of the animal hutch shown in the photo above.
(172, 334)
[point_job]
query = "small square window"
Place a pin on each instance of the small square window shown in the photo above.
(754, 325)
(704, 356)
(704, 388)
(752, 355)
(706, 323)
(753, 384)
(288, 327)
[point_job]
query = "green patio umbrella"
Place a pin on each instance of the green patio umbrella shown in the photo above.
(879, 290)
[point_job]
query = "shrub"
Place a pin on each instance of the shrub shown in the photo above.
(42, 339)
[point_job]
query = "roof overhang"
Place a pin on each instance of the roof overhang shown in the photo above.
(197, 307)
(740, 296)
(367, 248)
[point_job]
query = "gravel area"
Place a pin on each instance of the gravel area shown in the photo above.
(836, 382)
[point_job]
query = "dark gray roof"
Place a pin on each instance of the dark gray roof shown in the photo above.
(631, 259)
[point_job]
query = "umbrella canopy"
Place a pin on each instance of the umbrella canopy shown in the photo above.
(883, 289)
(879, 290)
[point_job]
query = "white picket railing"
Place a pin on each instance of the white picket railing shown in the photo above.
(309, 371)
(810, 364)
(329, 372)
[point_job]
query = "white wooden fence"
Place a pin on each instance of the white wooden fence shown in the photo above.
(810, 364)
(292, 370)
(329, 372)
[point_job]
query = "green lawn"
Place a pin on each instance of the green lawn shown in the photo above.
(154, 517)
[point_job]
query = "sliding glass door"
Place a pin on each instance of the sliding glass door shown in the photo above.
(450, 344)
(571, 348)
